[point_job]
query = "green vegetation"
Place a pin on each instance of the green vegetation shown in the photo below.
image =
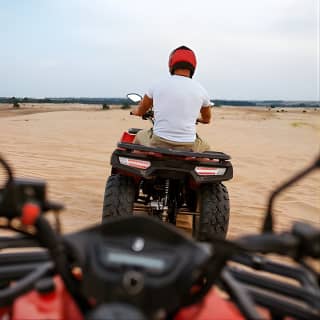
(105, 106)
(124, 102)
(299, 124)
(15, 103)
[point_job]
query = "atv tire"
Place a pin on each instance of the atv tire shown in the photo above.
(214, 212)
(119, 197)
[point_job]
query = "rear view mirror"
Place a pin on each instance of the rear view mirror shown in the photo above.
(134, 97)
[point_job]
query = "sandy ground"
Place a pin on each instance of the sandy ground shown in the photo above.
(70, 146)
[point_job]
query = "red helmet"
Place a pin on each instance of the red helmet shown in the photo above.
(182, 58)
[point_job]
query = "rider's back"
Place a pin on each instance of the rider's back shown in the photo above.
(177, 101)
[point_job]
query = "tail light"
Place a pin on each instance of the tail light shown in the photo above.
(135, 163)
(127, 137)
(209, 171)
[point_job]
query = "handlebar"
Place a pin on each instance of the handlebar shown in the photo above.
(302, 241)
(149, 115)
(112, 270)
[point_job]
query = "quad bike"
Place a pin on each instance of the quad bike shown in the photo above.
(136, 267)
(167, 182)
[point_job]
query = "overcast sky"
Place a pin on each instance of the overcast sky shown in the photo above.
(246, 49)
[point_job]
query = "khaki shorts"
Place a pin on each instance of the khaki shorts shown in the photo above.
(147, 138)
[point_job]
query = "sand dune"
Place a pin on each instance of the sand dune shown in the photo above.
(70, 145)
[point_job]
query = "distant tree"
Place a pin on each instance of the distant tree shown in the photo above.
(125, 106)
(15, 103)
(105, 106)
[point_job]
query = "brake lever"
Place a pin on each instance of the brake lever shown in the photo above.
(52, 206)
(240, 294)
(18, 242)
(25, 284)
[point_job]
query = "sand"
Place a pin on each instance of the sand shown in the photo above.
(70, 146)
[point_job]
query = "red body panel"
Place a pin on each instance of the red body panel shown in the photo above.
(127, 137)
(56, 305)
(5, 312)
(210, 308)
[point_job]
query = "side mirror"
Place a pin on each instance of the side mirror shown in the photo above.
(134, 97)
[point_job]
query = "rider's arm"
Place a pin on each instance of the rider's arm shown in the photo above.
(144, 105)
(205, 115)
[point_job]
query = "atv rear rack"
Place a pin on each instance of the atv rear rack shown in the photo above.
(173, 152)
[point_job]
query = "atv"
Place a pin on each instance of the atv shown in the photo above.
(166, 183)
(137, 267)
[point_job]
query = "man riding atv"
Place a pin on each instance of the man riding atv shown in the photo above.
(177, 102)
(168, 171)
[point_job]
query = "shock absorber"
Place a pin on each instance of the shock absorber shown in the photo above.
(165, 201)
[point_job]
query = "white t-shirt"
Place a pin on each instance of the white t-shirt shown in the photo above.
(177, 101)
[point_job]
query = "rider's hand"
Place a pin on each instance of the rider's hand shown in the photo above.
(135, 112)
(200, 120)
(144, 105)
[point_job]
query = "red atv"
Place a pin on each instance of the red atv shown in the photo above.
(167, 182)
(136, 267)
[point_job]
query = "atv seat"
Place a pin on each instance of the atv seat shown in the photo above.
(172, 152)
(134, 130)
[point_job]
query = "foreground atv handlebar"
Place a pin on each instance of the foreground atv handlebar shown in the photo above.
(119, 255)
(303, 241)
(137, 261)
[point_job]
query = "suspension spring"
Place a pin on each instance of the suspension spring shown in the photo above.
(165, 202)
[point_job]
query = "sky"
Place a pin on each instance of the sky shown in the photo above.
(246, 49)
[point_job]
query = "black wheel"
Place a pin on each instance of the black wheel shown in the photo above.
(214, 212)
(119, 197)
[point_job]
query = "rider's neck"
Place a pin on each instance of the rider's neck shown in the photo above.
(182, 72)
